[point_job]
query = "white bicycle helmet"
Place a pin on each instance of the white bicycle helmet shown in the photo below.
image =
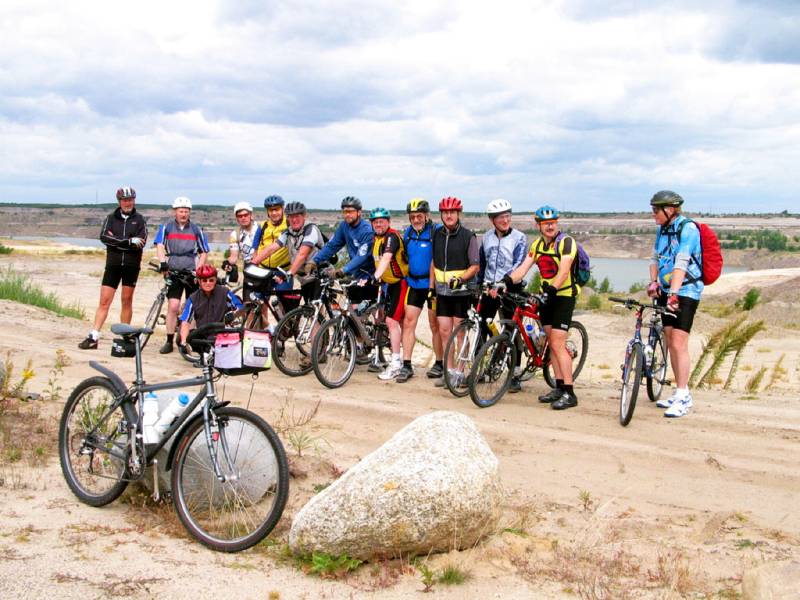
(497, 207)
(240, 206)
(182, 202)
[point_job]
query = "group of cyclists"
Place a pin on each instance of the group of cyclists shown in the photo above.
(440, 267)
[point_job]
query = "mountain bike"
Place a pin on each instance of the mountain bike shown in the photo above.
(494, 364)
(642, 360)
(294, 333)
(229, 473)
(352, 331)
(155, 314)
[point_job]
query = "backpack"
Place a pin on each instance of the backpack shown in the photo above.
(711, 252)
(581, 267)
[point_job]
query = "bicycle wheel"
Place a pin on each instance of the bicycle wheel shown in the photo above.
(631, 380)
(577, 345)
(238, 513)
(151, 320)
(462, 345)
(492, 371)
(291, 344)
(333, 353)
(92, 442)
(657, 374)
(378, 334)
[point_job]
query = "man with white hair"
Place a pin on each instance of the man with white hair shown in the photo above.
(241, 240)
(181, 246)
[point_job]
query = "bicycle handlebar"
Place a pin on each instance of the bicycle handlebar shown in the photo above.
(630, 303)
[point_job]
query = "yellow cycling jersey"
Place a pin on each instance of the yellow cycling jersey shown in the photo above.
(398, 266)
(269, 234)
(548, 258)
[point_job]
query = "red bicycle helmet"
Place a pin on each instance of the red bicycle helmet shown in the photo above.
(205, 271)
(450, 203)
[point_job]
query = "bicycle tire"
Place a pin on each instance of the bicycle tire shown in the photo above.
(631, 380)
(335, 342)
(657, 373)
(292, 341)
(578, 345)
(491, 374)
(462, 363)
(96, 478)
(151, 320)
(236, 514)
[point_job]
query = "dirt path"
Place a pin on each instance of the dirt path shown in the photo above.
(716, 491)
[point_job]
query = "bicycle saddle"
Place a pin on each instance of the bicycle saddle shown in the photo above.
(126, 330)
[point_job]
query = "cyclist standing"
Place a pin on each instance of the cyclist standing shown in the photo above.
(180, 245)
(502, 250)
(418, 242)
(357, 235)
(242, 240)
(271, 230)
(207, 304)
(302, 241)
(456, 260)
(676, 281)
(391, 269)
(554, 254)
(124, 233)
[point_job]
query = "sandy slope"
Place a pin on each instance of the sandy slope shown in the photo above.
(688, 490)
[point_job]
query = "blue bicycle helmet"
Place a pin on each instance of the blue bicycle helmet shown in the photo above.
(379, 213)
(545, 213)
(271, 201)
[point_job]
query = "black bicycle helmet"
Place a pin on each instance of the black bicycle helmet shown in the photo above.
(351, 202)
(666, 198)
(295, 208)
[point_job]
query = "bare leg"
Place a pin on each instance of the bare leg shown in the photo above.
(559, 355)
(410, 330)
(173, 306)
(126, 313)
(106, 297)
(678, 344)
(438, 346)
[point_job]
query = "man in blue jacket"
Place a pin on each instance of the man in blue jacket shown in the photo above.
(357, 235)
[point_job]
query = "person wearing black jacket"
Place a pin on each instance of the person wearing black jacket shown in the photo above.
(124, 233)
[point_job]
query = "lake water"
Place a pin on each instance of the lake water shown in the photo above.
(622, 273)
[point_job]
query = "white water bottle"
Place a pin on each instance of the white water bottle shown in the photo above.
(648, 354)
(173, 410)
(149, 419)
(531, 333)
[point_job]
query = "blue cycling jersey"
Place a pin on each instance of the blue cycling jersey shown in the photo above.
(668, 250)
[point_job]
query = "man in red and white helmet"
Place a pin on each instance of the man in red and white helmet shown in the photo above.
(124, 233)
(456, 260)
(209, 303)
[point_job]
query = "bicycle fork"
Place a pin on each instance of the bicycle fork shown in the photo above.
(214, 433)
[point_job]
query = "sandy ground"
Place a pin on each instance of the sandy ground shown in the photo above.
(659, 509)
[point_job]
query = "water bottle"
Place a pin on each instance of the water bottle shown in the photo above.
(492, 327)
(173, 410)
(648, 355)
(149, 418)
(362, 306)
(531, 333)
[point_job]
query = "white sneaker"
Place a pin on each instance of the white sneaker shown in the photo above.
(667, 402)
(391, 371)
(680, 408)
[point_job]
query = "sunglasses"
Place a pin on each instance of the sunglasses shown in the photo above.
(203, 279)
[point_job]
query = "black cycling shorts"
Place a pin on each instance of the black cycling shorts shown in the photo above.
(684, 318)
(453, 306)
(177, 288)
(558, 312)
(418, 297)
(114, 274)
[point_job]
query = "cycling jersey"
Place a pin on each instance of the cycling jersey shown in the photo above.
(270, 233)
(310, 235)
(182, 244)
(670, 254)
(548, 258)
(358, 239)
(501, 255)
(116, 233)
(398, 265)
(243, 241)
(205, 309)
(419, 250)
(453, 253)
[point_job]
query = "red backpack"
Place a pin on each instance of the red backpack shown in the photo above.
(711, 265)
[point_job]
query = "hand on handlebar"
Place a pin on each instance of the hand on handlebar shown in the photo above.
(549, 292)
(673, 303)
(163, 267)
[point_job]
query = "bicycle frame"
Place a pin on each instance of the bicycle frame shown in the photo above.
(528, 310)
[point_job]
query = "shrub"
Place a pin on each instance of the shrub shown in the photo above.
(19, 288)
(5, 249)
(605, 286)
(750, 299)
(594, 302)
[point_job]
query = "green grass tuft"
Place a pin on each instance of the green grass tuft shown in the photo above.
(19, 288)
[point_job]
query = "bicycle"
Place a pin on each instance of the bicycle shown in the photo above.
(351, 332)
(294, 333)
(154, 315)
(229, 473)
(648, 360)
(494, 364)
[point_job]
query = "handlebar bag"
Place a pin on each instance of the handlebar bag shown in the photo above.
(244, 352)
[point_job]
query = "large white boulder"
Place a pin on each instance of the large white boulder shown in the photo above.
(434, 486)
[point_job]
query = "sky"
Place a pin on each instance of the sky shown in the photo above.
(583, 105)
